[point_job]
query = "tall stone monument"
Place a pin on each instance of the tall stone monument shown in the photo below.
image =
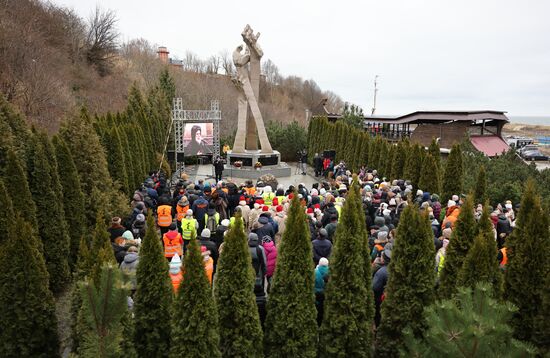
(250, 124)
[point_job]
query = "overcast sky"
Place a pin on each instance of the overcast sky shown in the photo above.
(429, 54)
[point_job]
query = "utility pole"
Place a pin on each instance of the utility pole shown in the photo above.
(375, 91)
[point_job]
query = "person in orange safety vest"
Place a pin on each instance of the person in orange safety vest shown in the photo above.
(173, 242)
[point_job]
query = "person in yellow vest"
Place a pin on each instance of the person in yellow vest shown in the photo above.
(175, 272)
(268, 195)
(164, 218)
(211, 219)
(338, 206)
(440, 257)
(181, 210)
(208, 263)
(173, 242)
(189, 227)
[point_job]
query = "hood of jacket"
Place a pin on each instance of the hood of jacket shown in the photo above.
(253, 240)
(130, 257)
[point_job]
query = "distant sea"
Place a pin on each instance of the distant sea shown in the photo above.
(536, 120)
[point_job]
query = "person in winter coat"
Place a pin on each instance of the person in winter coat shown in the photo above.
(265, 228)
(200, 207)
(331, 227)
(436, 206)
(329, 210)
(259, 264)
(119, 249)
(175, 272)
(129, 266)
(322, 247)
(321, 278)
(116, 229)
(379, 282)
(206, 241)
(271, 258)
(503, 225)
(254, 214)
(139, 227)
(245, 211)
(280, 219)
(440, 258)
(451, 214)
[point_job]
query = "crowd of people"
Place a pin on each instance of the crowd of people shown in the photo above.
(204, 211)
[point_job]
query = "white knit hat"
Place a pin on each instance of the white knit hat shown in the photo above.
(323, 261)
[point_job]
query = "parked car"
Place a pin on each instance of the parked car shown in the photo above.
(533, 154)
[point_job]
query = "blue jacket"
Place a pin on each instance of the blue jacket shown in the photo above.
(379, 282)
(321, 272)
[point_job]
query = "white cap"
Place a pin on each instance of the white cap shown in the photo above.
(189, 212)
(455, 198)
(323, 261)
(451, 203)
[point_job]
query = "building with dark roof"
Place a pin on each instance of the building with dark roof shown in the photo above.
(484, 128)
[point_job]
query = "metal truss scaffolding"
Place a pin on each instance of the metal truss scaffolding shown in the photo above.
(182, 116)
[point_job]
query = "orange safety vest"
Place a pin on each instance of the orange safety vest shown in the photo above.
(172, 246)
(181, 211)
(209, 268)
(379, 247)
(164, 215)
(504, 258)
(176, 280)
(250, 191)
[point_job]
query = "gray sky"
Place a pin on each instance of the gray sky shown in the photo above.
(429, 54)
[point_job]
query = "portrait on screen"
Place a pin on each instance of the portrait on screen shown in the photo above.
(198, 138)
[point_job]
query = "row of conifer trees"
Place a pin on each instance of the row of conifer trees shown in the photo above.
(53, 191)
(402, 160)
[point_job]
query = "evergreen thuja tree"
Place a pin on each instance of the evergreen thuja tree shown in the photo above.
(153, 298)
(50, 217)
(399, 161)
(413, 165)
(453, 176)
(6, 214)
(239, 321)
(480, 191)
(410, 285)
(17, 186)
(480, 263)
(73, 197)
(482, 321)
(528, 265)
(346, 330)
(102, 310)
(291, 308)
(429, 177)
(435, 151)
(460, 243)
(28, 327)
(195, 323)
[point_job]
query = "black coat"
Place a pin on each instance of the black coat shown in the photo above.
(321, 248)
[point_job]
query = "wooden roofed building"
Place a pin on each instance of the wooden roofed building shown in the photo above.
(484, 128)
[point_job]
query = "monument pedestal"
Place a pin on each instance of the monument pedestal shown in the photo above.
(271, 164)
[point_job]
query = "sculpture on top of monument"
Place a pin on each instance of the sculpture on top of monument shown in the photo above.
(250, 128)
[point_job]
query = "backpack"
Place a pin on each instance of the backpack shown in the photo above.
(211, 223)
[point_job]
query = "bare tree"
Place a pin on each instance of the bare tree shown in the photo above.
(101, 41)
(226, 62)
(213, 64)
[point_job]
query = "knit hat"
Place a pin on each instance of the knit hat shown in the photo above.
(314, 192)
(205, 233)
(260, 201)
(279, 208)
(275, 202)
(451, 203)
(323, 261)
(323, 233)
(265, 208)
(127, 235)
(140, 217)
(386, 212)
(116, 220)
(322, 191)
(381, 237)
(317, 206)
(455, 198)
(263, 220)
(175, 264)
(225, 222)
(342, 187)
(419, 192)
(309, 211)
(189, 213)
